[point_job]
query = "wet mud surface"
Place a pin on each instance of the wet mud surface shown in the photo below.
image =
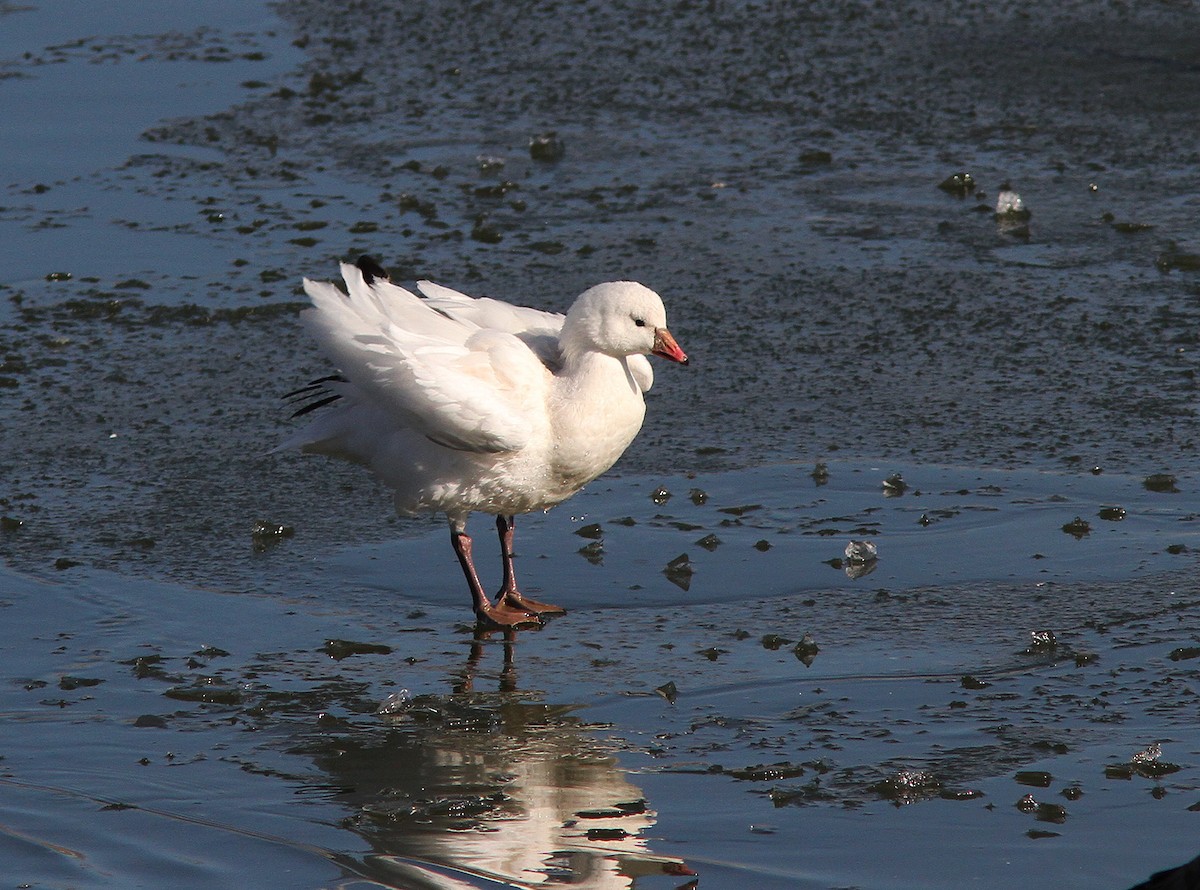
(200, 637)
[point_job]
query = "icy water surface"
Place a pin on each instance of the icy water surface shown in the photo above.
(1003, 408)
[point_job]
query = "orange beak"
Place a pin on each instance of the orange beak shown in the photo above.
(665, 345)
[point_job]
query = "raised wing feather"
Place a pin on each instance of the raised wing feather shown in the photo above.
(459, 383)
(489, 313)
(536, 329)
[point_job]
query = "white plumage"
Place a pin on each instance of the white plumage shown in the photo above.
(462, 404)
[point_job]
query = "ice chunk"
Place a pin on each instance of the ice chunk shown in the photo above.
(1150, 755)
(1009, 202)
(861, 552)
(396, 703)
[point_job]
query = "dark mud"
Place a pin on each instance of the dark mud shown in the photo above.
(207, 682)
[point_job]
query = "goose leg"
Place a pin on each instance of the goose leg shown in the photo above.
(500, 615)
(509, 595)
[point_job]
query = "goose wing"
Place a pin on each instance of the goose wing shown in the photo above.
(461, 383)
(537, 329)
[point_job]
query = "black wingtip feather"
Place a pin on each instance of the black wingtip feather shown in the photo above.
(371, 269)
(313, 406)
(314, 385)
(316, 391)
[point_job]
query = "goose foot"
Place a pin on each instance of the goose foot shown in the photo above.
(514, 599)
(504, 615)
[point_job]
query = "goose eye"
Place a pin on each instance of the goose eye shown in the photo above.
(640, 322)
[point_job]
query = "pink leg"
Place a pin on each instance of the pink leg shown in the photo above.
(500, 615)
(509, 594)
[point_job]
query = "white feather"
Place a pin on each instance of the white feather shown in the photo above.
(463, 404)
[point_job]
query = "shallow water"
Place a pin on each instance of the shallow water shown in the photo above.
(188, 703)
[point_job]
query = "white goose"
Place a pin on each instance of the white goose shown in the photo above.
(462, 404)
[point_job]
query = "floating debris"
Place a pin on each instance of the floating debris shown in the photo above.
(958, 184)
(862, 558)
(861, 552)
(1149, 755)
(70, 684)
(396, 703)
(741, 509)
(489, 163)
(1041, 641)
(547, 147)
(907, 786)
(496, 190)
(407, 202)
(1034, 778)
(484, 232)
(1147, 763)
(207, 690)
(768, 772)
(814, 157)
(339, 649)
(679, 571)
(1161, 482)
(607, 834)
(1131, 228)
(1012, 216)
(604, 813)
(1173, 258)
(593, 552)
(854, 572)
(1009, 205)
(960, 794)
(268, 534)
(1050, 812)
(806, 650)
(1078, 528)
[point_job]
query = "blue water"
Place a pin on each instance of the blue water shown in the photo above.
(174, 711)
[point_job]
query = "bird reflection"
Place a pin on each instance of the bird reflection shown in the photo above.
(508, 674)
(480, 786)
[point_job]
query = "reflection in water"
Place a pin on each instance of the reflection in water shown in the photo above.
(499, 784)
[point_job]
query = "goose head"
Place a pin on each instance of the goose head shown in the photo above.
(620, 318)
